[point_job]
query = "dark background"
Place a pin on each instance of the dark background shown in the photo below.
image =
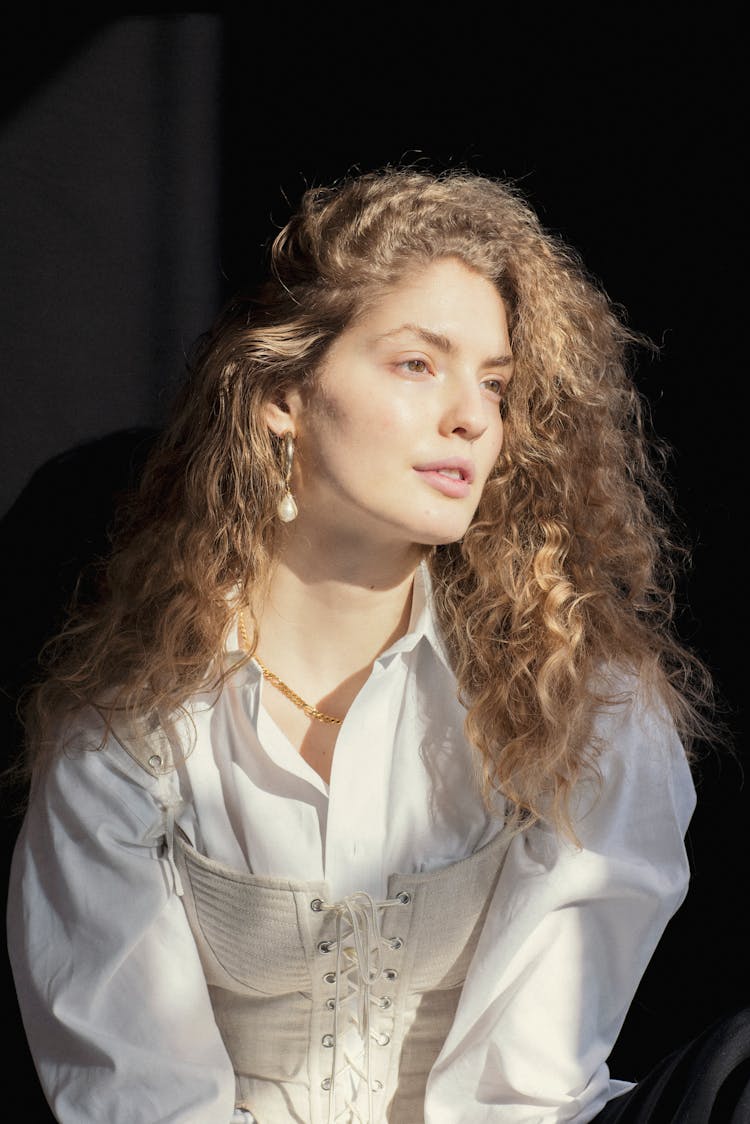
(146, 157)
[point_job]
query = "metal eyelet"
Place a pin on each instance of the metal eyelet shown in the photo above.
(316, 905)
(325, 1084)
(384, 1039)
(377, 1086)
(404, 897)
(329, 978)
(390, 974)
(325, 946)
(395, 943)
(331, 1004)
(154, 761)
(327, 1040)
(385, 1002)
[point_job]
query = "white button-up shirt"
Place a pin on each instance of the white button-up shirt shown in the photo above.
(113, 996)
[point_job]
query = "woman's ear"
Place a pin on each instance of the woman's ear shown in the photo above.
(283, 412)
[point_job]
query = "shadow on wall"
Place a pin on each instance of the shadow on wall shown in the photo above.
(57, 526)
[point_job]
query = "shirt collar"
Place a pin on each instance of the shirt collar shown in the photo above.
(422, 622)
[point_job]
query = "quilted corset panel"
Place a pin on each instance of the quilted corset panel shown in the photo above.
(264, 936)
(246, 927)
(449, 908)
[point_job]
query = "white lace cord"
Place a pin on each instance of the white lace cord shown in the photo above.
(171, 803)
(169, 817)
(360, 911)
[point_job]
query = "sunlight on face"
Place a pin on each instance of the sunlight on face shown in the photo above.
(405, 426)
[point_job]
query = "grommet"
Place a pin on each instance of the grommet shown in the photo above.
(329, 977)
(390, 974)
(325, 1084)
(384, 1039)
(325, 946)
(377, 1086)
(331, 1004)
(154, 761)
(404, 897)
(395, 943)
(384, 1003)
(327, 1040)
(316, 905)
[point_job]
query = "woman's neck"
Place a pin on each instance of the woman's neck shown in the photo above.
(334, 613)
(321, 626)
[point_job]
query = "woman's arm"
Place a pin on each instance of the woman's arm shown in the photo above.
(111, 990)
(567, 939)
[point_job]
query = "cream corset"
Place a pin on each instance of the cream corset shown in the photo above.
(335, 1011)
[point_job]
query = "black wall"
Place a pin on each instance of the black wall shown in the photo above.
(145, 158)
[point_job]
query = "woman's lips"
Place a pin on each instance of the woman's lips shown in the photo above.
(452, 477)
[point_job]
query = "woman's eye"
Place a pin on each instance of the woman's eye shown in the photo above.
(415, 366)
(495, 386)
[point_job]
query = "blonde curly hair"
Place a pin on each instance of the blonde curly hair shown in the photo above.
(566, 570)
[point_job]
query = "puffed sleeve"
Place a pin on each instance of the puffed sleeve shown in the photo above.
(567, 938)
(113, 997)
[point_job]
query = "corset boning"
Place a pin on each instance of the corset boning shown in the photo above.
(336, 1011)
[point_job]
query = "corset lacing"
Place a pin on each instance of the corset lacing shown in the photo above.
(360, 967)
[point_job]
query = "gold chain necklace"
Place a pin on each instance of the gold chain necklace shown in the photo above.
(311, 711)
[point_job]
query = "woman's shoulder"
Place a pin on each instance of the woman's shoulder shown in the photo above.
(158, 744)
(639, 764)
(628, 700)
(98, 750)
(90, 786)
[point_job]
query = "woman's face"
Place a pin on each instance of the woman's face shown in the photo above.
(404, 427)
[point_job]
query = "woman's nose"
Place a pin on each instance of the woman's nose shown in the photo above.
(465, 411)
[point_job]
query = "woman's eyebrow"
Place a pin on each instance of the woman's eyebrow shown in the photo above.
(441, 342)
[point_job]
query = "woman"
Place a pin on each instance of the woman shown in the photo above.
(360, 794)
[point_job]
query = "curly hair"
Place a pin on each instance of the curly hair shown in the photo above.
(566, 570)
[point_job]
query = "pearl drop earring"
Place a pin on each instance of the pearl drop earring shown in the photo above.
(286, 508)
